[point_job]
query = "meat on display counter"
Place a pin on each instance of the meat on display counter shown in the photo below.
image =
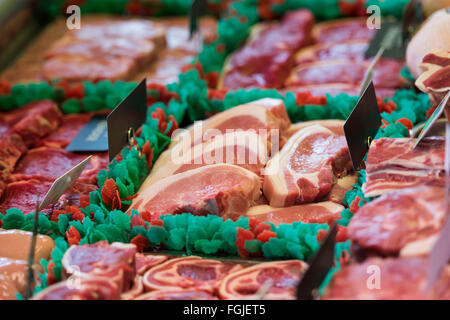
(272, 85)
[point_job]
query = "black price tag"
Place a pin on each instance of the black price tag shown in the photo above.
(129, 114)
(440, 253)
(319, 267)
(412, 19)
(92, 138)
(198, 8)
(390, 36)
(362, 125)
(63, 183)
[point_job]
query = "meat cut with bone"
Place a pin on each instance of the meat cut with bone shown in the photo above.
(335, 31)
(400, 279)
(305, 169)
(188, 273)
(385, 75)
(246, 149)
(221, 189)
(114, 262)
(405, 222)
(176, 295)
(321, 212)
(281, 277)
(264, 114)
(394, 164)
(94, 288)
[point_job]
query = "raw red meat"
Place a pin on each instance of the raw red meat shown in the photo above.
(220, 189)
(341, 187)
(405, 222)
(140, 51)
(69, 129)
(261, 116)
(40, 118)
(265, 61)
(334, 89)
(15, 244)
(347, 50)
(177, 33)
(136, 290)
(12, 148)
(13, 277)
(399, 279)
(337, 126)
(246, 283)
(97, 27)
(114, 262)
(145, 262)
(393, 164)
(176, 295)
(22, 195)
(342, 30)
(385, 75)
(50, 163)
(322, 212)
(435, 80)
(168, 66)
(188, 273)
(78, 68)
(246, 149)
(94, 288)
(305, 169)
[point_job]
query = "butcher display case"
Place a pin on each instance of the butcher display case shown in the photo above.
(267, 150)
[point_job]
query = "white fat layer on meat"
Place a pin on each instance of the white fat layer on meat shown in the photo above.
(326, 205)
(420, 247)
(282, 160)
(150, 192)
(252, 109)
(250, 140)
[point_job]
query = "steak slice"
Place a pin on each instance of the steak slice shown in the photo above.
(346, 50)
(188, 273)
(176, 295)
(337, 88)
(50, 163)
(399, 279)
(13, 277)
(12, 148)
(261, 115)
(283, 277)
(266, 59)
(75, 68)
(94, 288)
(246, 149)
(304, 170)
(114, 262)
(393, 164)
(385, 74)
(145, 262)
(405, 222)
(221, 189)
(96, 27)
(69, 129)
(15, 244)
(336, 31)
(40, 119)
(337, 126)
(435, 80)
(322, 212)
(22, 195)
